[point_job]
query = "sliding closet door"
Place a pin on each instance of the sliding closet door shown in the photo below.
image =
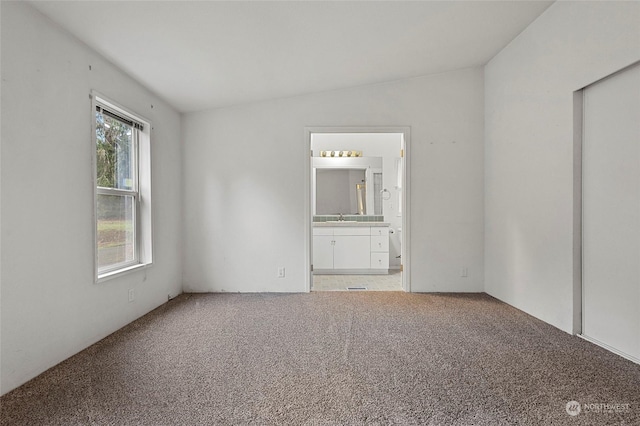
(611, 212)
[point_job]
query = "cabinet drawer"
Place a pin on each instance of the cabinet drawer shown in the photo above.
(379, 260)
(380, 231)
(380, 244)
(322, 231)
(351, 230)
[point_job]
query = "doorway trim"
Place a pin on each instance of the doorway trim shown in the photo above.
(406, 195)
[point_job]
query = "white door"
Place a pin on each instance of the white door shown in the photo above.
(352, 252)
(323, 252)
(611, 212)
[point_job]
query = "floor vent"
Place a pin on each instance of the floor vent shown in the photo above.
(356, 288)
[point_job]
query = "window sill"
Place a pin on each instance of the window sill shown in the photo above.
(117, 273)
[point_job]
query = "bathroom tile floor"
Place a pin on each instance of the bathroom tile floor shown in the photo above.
(391, 282)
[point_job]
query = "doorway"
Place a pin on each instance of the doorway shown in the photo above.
(357, 202)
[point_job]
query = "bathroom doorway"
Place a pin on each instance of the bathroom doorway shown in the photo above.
(357, 203)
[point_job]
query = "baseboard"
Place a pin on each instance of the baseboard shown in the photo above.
(609, 348)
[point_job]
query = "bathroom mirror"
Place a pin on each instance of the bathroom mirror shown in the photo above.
(340, 191)
(347, 186)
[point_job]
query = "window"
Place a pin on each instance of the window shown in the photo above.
(122, 190)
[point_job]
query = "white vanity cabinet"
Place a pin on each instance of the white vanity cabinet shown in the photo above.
(323, 248)
(357, 249)
(380, 248)
(351, 248)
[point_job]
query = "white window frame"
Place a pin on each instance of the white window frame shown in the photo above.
(141, 191)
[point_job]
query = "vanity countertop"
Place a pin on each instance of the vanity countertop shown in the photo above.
(348, 223)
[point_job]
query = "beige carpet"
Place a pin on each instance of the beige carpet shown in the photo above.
(332, 358)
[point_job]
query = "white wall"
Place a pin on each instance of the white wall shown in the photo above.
(529, 148)
(386, 146)
(51, 307)
(244, 182)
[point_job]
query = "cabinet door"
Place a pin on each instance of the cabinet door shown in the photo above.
(352, 252)
(322, 252)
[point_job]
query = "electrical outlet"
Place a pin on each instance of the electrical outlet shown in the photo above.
(132, 295)
(464, 272)
(281, 272)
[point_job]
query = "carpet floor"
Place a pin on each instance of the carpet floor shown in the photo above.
(333, 358)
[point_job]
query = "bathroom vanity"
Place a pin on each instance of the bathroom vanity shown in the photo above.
(343, 247)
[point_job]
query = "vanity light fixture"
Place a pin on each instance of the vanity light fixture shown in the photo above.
(340, 153)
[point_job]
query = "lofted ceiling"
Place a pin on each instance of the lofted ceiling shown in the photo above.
(209, 54)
